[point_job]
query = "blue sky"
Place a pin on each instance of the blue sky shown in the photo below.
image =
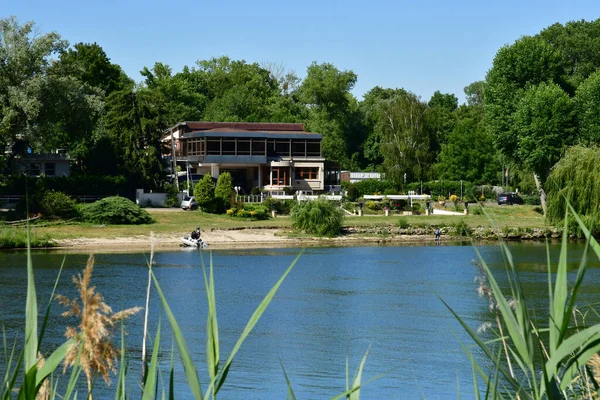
(422, 46)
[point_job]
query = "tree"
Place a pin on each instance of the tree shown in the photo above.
(404, 140)
(544, 125)
(474, 93)
(223, 190)
(333, 111)
(576, 179)
(439, 118)
(587, 104)
(25, 57)
(469, 153)
(204, 192)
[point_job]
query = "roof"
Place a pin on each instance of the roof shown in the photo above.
(242, 129)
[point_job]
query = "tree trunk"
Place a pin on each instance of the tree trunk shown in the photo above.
(541, 192)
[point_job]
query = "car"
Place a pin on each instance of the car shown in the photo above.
(189, 203)
(509, 198)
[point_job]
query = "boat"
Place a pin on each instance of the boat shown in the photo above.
(189, 242)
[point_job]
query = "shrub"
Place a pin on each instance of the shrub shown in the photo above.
(416, 208)
(461, 228)
(402, 223)
(283, 207)
(172, 199)
(223, 192)
(255, 191)
(352, 193)
(58, 204)
(116, 211)
(204, 192)
(531, 199)
(249, 211)
(319, 217)
(372, 186)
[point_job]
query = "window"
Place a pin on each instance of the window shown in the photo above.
(280, 176)
(229, 147)
(243, 147)
(34, 169)
(313, 148)
(307, 173)
(195, 147)
(258, 147)
(50, 169)
(282, 147)
(213, 147)
(299, 148)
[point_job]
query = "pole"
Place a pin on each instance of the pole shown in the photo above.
(174, 159)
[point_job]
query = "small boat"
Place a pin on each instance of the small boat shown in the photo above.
(189, 242)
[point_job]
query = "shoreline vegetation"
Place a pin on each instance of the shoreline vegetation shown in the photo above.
(222, 232)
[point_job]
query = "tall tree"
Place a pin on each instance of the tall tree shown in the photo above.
(544, 123)
(404, 140)
(587, 102)
(333, 111)
(25, 58)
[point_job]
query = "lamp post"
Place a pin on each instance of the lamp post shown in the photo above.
(237, 190)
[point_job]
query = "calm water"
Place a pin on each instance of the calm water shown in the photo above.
(337, 302)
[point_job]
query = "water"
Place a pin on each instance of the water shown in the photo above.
(337, 302)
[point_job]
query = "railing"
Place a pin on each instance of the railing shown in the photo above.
(252, 198)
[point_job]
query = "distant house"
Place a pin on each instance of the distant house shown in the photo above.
(353, 177)
(54, 164)
(270, 156)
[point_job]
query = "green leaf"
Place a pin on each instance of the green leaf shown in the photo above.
(290, 393)
(52, 362)
(184, 354)
(31, 312)
(150, 386)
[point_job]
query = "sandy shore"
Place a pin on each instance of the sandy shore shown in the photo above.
(229, 239)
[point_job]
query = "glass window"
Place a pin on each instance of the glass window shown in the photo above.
(280, 175)
(213, 146)
(282, 147)
(307, 173)
(34, 169)
(313, 148)
(243, 147)
(50, 169)
(299, 148)
(228, 147)
(271, 148)
(258, 147)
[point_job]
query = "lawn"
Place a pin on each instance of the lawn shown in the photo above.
(179, 222)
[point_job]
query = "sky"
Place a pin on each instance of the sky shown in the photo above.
(421, 46)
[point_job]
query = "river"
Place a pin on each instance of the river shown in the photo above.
(336, 303)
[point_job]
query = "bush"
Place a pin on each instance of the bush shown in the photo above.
(223, 192)
(249, 211)
(58, 204)
(352, 192)
(172, 199)
(318, 217)
(372, 186)
(282, 207)
(115, 211)
(402, 223)
(416, 208)
(204, 192)
(531, 199)
(461, 228)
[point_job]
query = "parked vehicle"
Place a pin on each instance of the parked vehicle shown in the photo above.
(189, 203)
(509, 198)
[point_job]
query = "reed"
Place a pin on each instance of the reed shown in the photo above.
(532, 360)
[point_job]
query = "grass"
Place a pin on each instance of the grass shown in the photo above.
(16, 238)
(176, 222)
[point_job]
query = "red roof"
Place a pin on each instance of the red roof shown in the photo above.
(244, 126)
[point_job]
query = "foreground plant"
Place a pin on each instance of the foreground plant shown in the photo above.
(532, 361)
(92, 349)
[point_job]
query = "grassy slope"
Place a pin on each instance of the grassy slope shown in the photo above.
(178, 222)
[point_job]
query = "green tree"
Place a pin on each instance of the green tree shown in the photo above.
(333, 111)
(474, 93)
(439, 119)
(469, 153)
(544, 123)
(25, 58)
(576, 179)
(134, 128)
(587, 103)
(204, 192)
(404, 140)
(223, 190)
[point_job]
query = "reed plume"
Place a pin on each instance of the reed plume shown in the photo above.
(93, 350)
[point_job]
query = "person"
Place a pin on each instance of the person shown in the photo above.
(196, 234)
(437, 235)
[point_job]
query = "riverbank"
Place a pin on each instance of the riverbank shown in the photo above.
(220, 231)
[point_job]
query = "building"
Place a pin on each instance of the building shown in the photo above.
(53, 164)
(353, 177)
(269, 156)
